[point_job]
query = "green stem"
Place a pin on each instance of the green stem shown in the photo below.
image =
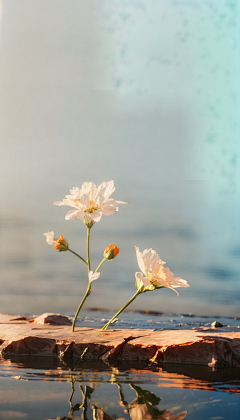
(88, 291)
(88, 256)
(77, 255)
(104, 259)
(124, 307)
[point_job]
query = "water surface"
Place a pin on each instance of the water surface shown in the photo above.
(45, 388)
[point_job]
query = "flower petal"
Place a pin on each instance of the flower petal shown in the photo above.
(85, 201)
(166, 278)
(150, 257)
(86, 187)
(112, 202)
(71, 214)
(80, 215)
(88, 217)
(107, 211)
(49, 237)
(67, 202)
(75, 191)
(93, 194)
(178, 282)
(146, 281)
(93, 276)
(59, 203)
(140, 260)
(106, 189)
(96, 216)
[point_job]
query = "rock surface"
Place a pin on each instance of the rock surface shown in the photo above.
(53, 319)
(20, 335)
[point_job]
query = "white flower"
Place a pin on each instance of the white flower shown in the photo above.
(154, 275)
(90, 202)
(50, 238)
(93, 276)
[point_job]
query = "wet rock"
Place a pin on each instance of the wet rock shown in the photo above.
(216, 324)
(212, 348)
(54, 319)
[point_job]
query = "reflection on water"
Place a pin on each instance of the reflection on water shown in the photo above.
(44, 388)
(144, 406)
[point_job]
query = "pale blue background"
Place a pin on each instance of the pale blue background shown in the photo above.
(145, 93)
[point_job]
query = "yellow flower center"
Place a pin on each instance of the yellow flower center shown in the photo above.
(93, 207)
(161, 273)
(150, 277)
(152, 280)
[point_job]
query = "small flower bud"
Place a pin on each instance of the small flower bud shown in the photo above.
(61, 244)
(111, 252)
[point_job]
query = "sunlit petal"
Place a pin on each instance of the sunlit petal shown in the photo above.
(71, 214)
(49, 237)
(145, 281)
(96, 215)
(140, 260)
(93, 276)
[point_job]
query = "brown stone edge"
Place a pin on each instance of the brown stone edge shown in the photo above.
(169, 346)
(206, 351)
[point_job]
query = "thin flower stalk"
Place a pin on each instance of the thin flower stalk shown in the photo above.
(88, 291)
(60, 244)
(88, 254)
(91, 277)
(122, 309)
(101, 263)
(78, 256)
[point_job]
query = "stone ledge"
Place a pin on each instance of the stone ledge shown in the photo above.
(20, 335)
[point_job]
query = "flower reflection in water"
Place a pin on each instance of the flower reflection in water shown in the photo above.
(143, 407)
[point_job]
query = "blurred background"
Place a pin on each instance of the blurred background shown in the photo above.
(144, 92)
